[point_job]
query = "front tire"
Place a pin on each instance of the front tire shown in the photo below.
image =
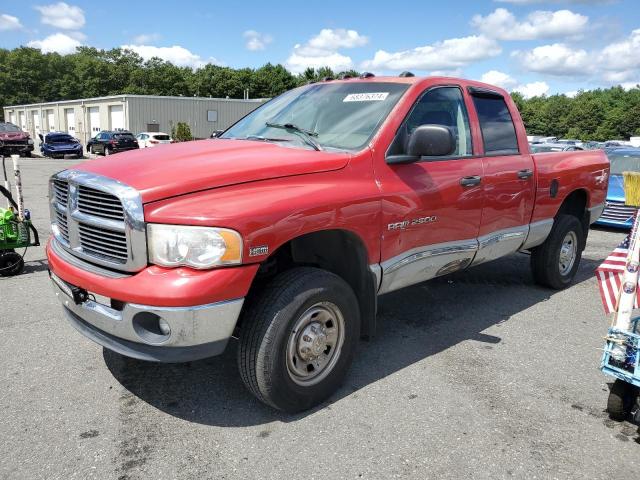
(298, 338)
(620, 401)
(107, 151)
(556, 261)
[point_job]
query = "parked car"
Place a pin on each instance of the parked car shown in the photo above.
(153, 139)
(108, 142)
(616, 213)
(14, 141)
(536, 139)
(554, 147)
(59, 144)
(285, 230)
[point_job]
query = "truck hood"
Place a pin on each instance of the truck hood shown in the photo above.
(13, 136)
(170, 170)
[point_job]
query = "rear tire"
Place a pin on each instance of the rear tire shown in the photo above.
(298, 338)
(556, 261)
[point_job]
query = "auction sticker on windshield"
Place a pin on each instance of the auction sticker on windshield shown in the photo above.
(366, 97)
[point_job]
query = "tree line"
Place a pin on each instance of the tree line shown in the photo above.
(29, 76)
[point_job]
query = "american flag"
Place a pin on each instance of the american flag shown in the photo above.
(610, 275)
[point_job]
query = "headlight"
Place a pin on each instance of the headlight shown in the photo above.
(196, 247)
(30, 141)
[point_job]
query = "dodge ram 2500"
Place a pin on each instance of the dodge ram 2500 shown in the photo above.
(284, 230)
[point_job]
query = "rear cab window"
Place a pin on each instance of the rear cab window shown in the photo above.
(498, 131)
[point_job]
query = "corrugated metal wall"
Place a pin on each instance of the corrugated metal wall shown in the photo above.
(139, 112)
(168, 111)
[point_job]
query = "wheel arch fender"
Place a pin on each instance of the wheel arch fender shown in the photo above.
(340, 251)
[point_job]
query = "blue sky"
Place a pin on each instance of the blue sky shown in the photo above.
(534, 46)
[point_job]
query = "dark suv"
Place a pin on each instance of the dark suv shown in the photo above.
(107, 142)
(14, 140)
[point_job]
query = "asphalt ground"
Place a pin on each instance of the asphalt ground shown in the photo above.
(480, 374)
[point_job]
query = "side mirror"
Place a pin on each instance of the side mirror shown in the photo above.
(216, 133)
(426, 141)
(41, 138)
(431, 141)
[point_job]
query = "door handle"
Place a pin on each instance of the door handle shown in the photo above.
(525, 174)
(470, 181)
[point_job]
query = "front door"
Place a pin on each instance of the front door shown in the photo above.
(431, 208)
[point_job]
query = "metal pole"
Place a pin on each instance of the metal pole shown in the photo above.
(19, 198)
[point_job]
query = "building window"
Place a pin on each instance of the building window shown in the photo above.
(153, 127)
(212, 115)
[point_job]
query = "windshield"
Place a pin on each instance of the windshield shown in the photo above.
(8, 127)
(545, 148)
(60, 139)
(123, 136)
(339, 115)
(624, 162)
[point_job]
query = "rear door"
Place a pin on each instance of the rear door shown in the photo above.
(431, 208)
(509, 177)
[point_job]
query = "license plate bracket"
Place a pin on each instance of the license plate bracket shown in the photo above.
(77, 294)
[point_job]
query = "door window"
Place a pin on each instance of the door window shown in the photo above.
(496, 124)
(443, 106)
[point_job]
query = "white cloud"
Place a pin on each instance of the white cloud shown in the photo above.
(322, 50)
(9, 22)
(333, 39)
(500, 79)
(62, 15)
(145, 38)
(175, 54)
(256, 40)
(630, 85)
(503, 25)
(58, 42)
(446, 55)
(556, 59)
(621, 60)
(506, 81)
(616, 63)
(533, 89)
(571, 93)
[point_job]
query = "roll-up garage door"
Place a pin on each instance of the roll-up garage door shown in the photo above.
(116, 117)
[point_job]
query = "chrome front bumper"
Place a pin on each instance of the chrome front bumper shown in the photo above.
(194, 332)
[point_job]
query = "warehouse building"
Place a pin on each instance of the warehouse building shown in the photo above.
(86, 117)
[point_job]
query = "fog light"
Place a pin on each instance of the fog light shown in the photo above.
(164, 327)
(151, 328)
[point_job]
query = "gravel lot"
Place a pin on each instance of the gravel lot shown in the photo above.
(481, 374)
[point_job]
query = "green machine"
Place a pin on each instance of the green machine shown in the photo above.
(16, 230)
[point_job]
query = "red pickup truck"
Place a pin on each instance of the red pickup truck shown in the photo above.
(285, 230)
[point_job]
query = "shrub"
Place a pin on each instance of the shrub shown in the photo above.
(181, 132)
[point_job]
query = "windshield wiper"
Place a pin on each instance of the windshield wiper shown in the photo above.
(308, 135)
(260, 138)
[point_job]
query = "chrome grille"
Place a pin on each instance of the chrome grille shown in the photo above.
(61, 222)
(61, 191)
(99, 204)
(102, 242)
(617, 212)
(94, 224)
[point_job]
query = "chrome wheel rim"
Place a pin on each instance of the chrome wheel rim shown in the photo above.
(315, 343)
(568, 251)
